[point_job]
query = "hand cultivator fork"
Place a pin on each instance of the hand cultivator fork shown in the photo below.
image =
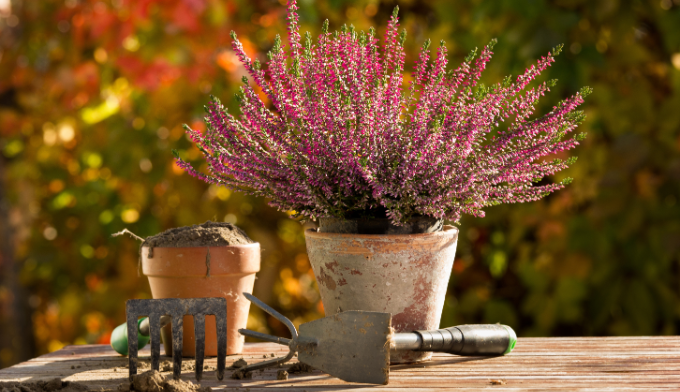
(177, 308)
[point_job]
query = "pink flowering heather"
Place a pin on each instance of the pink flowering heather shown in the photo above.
(343, 135)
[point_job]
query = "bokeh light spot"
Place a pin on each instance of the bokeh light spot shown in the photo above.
(145, 165)
(230, 218)
(87, 251)
(105, 217)
(130, 215)
(675, 60)
(138, 123)
(63, 200)
(131, 43)
(100, 55)
(66, 132)
(371, 10)
(50, 233)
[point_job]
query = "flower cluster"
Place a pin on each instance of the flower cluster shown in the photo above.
(343, 133)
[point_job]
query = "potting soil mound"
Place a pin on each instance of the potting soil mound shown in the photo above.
(153, 381)
(204, 235)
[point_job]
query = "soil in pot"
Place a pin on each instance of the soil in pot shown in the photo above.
(214, 259)
(375, 221)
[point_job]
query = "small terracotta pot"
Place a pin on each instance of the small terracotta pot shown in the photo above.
(403, 274)
(183, 273)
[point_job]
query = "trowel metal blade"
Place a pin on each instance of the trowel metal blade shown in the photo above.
(352, 346)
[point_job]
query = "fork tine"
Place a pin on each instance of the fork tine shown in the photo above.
(177, 337)
(199, 333)
(221, 327)
(132, 328)
(155, 332)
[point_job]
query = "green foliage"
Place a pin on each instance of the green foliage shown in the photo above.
(471, 56)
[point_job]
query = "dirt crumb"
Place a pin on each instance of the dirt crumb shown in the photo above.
(166, 366)
(124, 387)
(183, 386)
(154, 381)
(149, 381)
(70, 386)
(52, 385)
(282, 375)
(497, 382)
(239, 363)
(205, 234)
(143, 364)
(241, 375)
(300, 367)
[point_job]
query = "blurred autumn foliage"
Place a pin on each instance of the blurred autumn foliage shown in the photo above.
(93, 95)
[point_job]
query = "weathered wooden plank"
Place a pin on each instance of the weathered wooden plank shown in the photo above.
(622, 364)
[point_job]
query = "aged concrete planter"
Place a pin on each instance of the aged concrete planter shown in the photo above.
(183, 273)
(403, 274)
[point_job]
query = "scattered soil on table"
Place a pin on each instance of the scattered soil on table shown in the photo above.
(241, 375)
(239, 363)
(166, 366)
(282, 375)
(204, 235)
(143, 364)
(53, 385)
(300, 367)
(184, 386)
(149, 381)
(154, 381)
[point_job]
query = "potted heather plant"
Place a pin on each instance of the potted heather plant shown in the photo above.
(381, 163)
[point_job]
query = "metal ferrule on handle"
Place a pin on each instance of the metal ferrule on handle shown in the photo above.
(481, 339)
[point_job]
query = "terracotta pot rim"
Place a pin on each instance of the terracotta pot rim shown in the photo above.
(446, 231)
(241, 246)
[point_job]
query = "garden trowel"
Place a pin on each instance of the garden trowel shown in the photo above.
(355, 345)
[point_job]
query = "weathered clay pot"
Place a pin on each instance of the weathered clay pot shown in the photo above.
(405, 275)
(183, 273)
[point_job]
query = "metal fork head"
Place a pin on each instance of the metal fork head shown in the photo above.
(177, 308)
(292, 343)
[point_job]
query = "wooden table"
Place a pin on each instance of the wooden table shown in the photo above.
(617, 364)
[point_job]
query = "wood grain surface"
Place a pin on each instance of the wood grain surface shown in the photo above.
(583, 364)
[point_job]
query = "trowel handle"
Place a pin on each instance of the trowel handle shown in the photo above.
(471, 339)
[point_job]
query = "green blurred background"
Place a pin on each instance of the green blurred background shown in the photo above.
(93, 95)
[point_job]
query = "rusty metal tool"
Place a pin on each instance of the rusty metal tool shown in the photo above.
(355, 345)
(177, 308)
